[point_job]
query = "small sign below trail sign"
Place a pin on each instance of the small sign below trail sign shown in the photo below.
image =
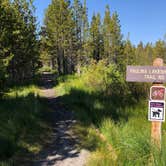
(157, 93)
(156, 110)
(146, 74)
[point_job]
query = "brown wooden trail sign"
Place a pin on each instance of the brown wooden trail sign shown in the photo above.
(155, 74)
(146, 74)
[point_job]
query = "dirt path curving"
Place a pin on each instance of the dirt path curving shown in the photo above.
(61, 151)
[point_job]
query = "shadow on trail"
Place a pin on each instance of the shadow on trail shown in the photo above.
(20, 124)
(93, 108)
(63, 144)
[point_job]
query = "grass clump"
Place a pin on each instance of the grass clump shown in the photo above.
(21, 91)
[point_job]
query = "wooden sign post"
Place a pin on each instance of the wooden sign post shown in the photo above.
(156, 126)
(157, 75)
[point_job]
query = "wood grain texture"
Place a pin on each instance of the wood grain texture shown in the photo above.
(156, 126)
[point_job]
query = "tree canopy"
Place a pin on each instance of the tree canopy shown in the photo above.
(18, 41)
(72, 40)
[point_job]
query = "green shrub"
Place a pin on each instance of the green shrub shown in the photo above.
(101, 77)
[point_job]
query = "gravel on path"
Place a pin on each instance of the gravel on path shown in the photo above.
(62, 151)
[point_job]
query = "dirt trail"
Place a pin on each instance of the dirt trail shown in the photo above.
(62, 150)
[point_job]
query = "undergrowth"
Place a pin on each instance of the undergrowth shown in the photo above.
(21, 124)
(102, 100)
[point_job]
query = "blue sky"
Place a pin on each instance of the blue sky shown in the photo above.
(145, 20)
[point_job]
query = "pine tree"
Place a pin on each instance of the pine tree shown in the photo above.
(160, 50)
(139, 54)
(116, 46)
(77, 17)
(7, 37)
(25, 61)
(18, 40)
(60, 37)
(148, 51)
(85, 34)
(107, 32)
(77, 10)
(113, 45)
(128, 56)
(129, 53)
(96, 37)
(85, 24)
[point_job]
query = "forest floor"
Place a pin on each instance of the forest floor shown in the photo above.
(62, 149)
